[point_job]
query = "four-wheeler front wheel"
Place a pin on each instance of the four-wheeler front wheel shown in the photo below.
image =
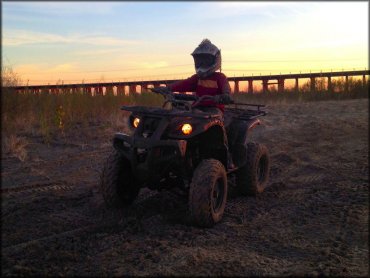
(117, 183)
(253, 176)
(208, 193)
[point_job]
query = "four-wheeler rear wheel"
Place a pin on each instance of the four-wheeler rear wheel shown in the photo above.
(208, 193)
(252, 178)
(117, 183)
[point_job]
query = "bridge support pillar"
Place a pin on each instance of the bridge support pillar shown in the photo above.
(265, 87)
(364, 81)
(120, 90)
(330, 87)
(99, 91)
(132, 89)
(144, 87)
(109, 90)
(346, 84)
(236, 87)
(296, 85)
(250, 86)
(281, 82)
(313, 84)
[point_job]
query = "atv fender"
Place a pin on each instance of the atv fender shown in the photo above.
(238, 133)
(213, 143)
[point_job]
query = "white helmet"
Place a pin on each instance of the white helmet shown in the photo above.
(207, 58)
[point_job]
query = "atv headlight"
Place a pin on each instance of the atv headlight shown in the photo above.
(135, 122)
(186, 129)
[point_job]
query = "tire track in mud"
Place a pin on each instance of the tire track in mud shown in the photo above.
(35, 188)
(73, 232)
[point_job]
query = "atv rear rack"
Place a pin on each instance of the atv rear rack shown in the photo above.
(247, 114)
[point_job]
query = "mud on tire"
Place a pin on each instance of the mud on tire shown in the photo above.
(208, 193)
(117, 183)
(253, 176)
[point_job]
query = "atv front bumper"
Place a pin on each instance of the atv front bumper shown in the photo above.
(150, 158)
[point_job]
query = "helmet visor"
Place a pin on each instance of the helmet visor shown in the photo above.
(203, 60)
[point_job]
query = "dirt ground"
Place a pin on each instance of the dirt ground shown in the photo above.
(313, 219)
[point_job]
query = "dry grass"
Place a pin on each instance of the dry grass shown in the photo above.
(51, 115)
(356, 90)
(15, 146)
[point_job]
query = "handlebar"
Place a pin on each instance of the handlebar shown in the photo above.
(176, 97)
(164, 91)
(179, 100)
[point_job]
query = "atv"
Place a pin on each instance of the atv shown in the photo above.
(200, 153)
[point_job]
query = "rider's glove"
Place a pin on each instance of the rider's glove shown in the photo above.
(163, 90)
(224, 99)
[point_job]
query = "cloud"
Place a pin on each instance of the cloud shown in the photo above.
(154, 65)
(96, 52)
(62, 8)
(32, 69)
(103, 40)
(18, 37)
(62, 68)
(229, 9)
(27, 68)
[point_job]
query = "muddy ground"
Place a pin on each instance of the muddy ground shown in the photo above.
(313, 219)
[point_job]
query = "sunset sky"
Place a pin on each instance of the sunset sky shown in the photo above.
(117, 41)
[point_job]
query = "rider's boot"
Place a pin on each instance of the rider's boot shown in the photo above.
(230, 163)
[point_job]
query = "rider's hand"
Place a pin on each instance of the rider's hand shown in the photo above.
(224, 99)
(163, 90)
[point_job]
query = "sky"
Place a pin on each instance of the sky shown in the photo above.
(75, 42)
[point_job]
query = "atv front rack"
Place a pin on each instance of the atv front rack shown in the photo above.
(145, 110)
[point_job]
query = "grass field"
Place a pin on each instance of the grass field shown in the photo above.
(50, 115)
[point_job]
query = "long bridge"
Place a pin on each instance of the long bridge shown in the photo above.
(120, 87)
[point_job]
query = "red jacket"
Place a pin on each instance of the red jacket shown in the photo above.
(216, 84)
